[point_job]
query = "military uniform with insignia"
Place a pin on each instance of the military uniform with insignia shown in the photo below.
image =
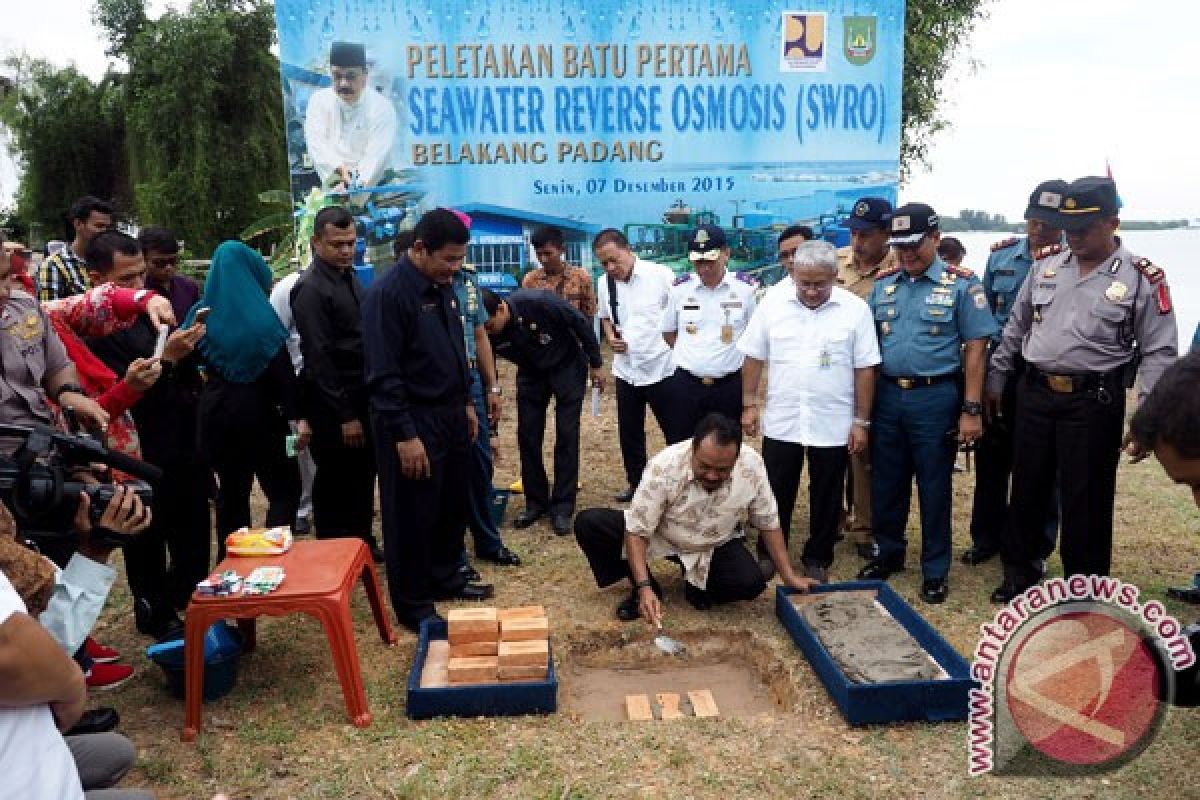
(869, 217)
(922, 321)
(1007, 267)
(30, 351)
(706, 322)
(1082, 333)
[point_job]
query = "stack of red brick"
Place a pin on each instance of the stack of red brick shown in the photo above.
(488, 645)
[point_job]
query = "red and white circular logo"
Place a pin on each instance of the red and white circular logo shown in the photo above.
(1084, 688)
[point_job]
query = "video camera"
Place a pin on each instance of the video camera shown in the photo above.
(36, 483)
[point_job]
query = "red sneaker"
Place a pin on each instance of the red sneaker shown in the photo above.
(99, 653)
(108, 676)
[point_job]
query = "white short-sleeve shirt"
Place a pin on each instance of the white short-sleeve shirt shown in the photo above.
(707, 323)
(811, 355)
(641, 304)
(35, 763)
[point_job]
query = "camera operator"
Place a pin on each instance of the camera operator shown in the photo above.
(42, 691)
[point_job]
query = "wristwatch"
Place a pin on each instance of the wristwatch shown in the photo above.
(643, 584)
(68, 387)
(972, 408)
(862, 423)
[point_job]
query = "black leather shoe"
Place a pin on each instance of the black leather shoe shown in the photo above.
(527, 518)
(414, 625)
(935, 591)
(97, 720)
(698, 598)
(469, 573)
(502, 557)
(977, 555)
(628, 610)
(160, 624)
(879, 570)
(561, 524)
(1006, 591)
(625, 496)
(867, 550)
(376, 552)
(471, 591)
(171, 631)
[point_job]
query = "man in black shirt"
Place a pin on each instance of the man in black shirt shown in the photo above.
(325, 307)
(553, 346)
(423, 418)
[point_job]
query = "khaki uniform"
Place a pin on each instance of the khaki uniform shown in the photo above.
(858, 523)
(30, 350)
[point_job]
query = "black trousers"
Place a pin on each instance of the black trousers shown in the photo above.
(260, 454)
(733, 575)
(1076, 437)
(826, 479)
(180, 526)
(567, 384)
(690, 399)
(424, 520)
(344, 486)
(990, 522)
(631, 422)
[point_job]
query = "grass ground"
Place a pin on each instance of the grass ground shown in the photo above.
(283, 731)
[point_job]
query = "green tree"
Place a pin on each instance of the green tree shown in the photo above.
(67, 137)
(934, 32)
(204, 122)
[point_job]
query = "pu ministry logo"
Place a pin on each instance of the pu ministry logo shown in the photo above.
(1075, 676)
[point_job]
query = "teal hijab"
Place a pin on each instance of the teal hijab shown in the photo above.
(243, 332)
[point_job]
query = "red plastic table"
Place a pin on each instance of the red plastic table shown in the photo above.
(320, 575)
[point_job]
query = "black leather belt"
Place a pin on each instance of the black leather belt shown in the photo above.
(711, 381)
(920, 381)
(1070, 384)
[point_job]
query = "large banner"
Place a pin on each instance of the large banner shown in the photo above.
(648, 116)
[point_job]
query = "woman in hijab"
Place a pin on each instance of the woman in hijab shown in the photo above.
(251, 392)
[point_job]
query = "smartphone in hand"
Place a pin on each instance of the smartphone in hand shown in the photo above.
(160, 344)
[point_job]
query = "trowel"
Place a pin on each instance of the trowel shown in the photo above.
(671, 647)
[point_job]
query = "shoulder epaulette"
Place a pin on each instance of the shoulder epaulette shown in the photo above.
(684, 278)
(469, 267)
(747, 278)
(961, 272)
(1047, 251)
(884, 273)
(1003, 243)
(1152, 273)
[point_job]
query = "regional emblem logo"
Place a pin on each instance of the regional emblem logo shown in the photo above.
(858, 39)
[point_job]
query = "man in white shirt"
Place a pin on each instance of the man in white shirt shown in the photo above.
(707, 312)
(631, 302)
(349, 127)
(281, 301)
(690, 509)
(818, 341)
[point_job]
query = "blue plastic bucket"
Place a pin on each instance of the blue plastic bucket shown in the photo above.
(222, 654)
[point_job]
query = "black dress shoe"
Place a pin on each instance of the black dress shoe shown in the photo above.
(469, 573)
(977, 555)
(879, 570)
(503, 557)
(625, 496)
(97, 720)
(1006, 591)
(161, 624)
(699, 598)
(414, 625)
(376, 552)
(561, 524)
(935, 590)
(628, 609)
(867, 550)
(470, 591)
(528, 517)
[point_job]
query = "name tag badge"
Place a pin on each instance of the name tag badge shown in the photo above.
(733, 304)
(691, 307)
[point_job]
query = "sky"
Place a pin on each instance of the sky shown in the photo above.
(1046, 89)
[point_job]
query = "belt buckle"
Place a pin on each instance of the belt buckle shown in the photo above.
(906, 383)
(1063, 384)
(708, 381)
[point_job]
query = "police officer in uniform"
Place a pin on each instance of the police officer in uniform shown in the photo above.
(1087, 315)
(929, 398)
(1007, 266)
(554, 348)
(421, 411)
(858, 263)
(706, 313)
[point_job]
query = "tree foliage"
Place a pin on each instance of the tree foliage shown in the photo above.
(934, 32)
(67, 133)
(204, 123)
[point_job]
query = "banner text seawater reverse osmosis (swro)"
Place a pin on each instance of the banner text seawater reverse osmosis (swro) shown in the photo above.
(647, 116)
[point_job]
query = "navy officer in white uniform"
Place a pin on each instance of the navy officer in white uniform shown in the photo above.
(706, 314)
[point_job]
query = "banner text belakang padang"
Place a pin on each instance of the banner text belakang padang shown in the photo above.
(456, 106)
